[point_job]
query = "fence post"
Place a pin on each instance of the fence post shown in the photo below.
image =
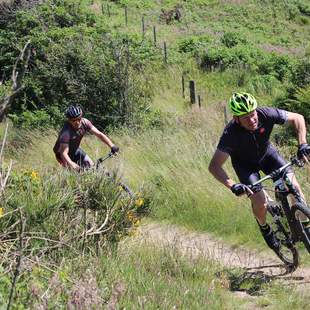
(143, 26)
(165, 52)
(192, 91)
(126, 16)
(154, 35)
(199, 101)
(108, 10)
(225, 115)
(183, 86)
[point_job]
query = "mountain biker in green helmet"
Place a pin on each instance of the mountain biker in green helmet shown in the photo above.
(67, 147)
(245, 140)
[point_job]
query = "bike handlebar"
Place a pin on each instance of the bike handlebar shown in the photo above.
(276, 173)
(102, 159)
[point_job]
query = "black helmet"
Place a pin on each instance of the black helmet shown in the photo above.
(73, 112)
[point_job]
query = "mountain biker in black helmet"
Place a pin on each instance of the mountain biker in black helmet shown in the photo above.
(245, 140)
(67, 147)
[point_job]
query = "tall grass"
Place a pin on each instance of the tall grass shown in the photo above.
(148, 278)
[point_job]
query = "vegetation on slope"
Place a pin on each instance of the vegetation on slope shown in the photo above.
(82, 55)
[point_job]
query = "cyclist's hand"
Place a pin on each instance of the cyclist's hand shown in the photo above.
(239, 189)
(303, 151)
(114, 149)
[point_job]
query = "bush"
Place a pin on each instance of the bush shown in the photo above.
(257, 60)
(301, 74)
(74, 61)
(29, 120)
(193, 44)
(231, 39)
(75, 212)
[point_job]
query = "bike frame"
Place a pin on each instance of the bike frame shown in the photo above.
(100, 160)
(283, 188)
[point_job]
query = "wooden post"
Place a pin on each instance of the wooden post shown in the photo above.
(143, 26)
(225, 115)
(126, 16)
(199, 101)
(108, 10)
(154, 35)
(183, 86)
(165, 53)
(192, 91)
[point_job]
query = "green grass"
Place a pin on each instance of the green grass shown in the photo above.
(170, 164)
(148, 278)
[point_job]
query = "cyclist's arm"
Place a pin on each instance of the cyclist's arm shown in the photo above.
(216, 168)
(64, 153)
(105, 139)
(298, 122)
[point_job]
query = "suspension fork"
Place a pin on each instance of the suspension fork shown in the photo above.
(295, 229)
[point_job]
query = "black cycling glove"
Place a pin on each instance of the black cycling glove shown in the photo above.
(303, 150)
(238, 189)
(114, 149)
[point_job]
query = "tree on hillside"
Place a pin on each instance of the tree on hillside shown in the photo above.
(17, 77)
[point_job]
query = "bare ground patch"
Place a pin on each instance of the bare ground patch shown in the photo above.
(257, 267)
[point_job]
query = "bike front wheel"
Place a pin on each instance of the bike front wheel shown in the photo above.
(301, 213)
(287, 251)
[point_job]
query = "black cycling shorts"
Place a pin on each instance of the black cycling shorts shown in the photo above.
(79, 157)
(248, 173)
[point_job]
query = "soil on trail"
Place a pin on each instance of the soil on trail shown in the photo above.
(256, 264)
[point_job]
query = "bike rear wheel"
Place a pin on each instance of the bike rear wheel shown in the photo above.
(299, 210)
(287, 251)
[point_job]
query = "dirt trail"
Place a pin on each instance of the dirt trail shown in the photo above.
(255, 263)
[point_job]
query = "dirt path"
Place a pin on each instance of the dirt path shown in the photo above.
(265, 266)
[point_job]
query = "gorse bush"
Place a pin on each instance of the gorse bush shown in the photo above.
(66, 213)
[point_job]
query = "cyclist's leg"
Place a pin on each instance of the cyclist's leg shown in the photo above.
(82, 159)
(273, 160)
(248, 174)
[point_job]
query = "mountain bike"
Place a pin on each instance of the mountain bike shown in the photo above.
(125, 187)
(286, 217)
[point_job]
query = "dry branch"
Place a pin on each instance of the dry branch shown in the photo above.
(4, 173)
(17, 77)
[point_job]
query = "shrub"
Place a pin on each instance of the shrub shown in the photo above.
(75, 61)
(67, 213)
(193, 44)
(301, 74)
(231, 39)
(29, 120)
(257, 60)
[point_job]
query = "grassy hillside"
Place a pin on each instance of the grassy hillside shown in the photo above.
(167, 163)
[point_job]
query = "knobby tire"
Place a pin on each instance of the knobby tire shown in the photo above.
(298, 208)
(287, 251)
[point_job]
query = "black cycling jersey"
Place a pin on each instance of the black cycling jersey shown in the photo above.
(251, 151)
(251, 146)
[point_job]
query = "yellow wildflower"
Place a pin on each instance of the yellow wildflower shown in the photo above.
(34, 175)
(137, 222)
(139, 202)
(1, 212)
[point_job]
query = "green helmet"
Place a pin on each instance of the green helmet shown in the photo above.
(242, 103)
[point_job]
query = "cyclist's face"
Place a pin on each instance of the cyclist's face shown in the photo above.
(249, 121)
(75, 122)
